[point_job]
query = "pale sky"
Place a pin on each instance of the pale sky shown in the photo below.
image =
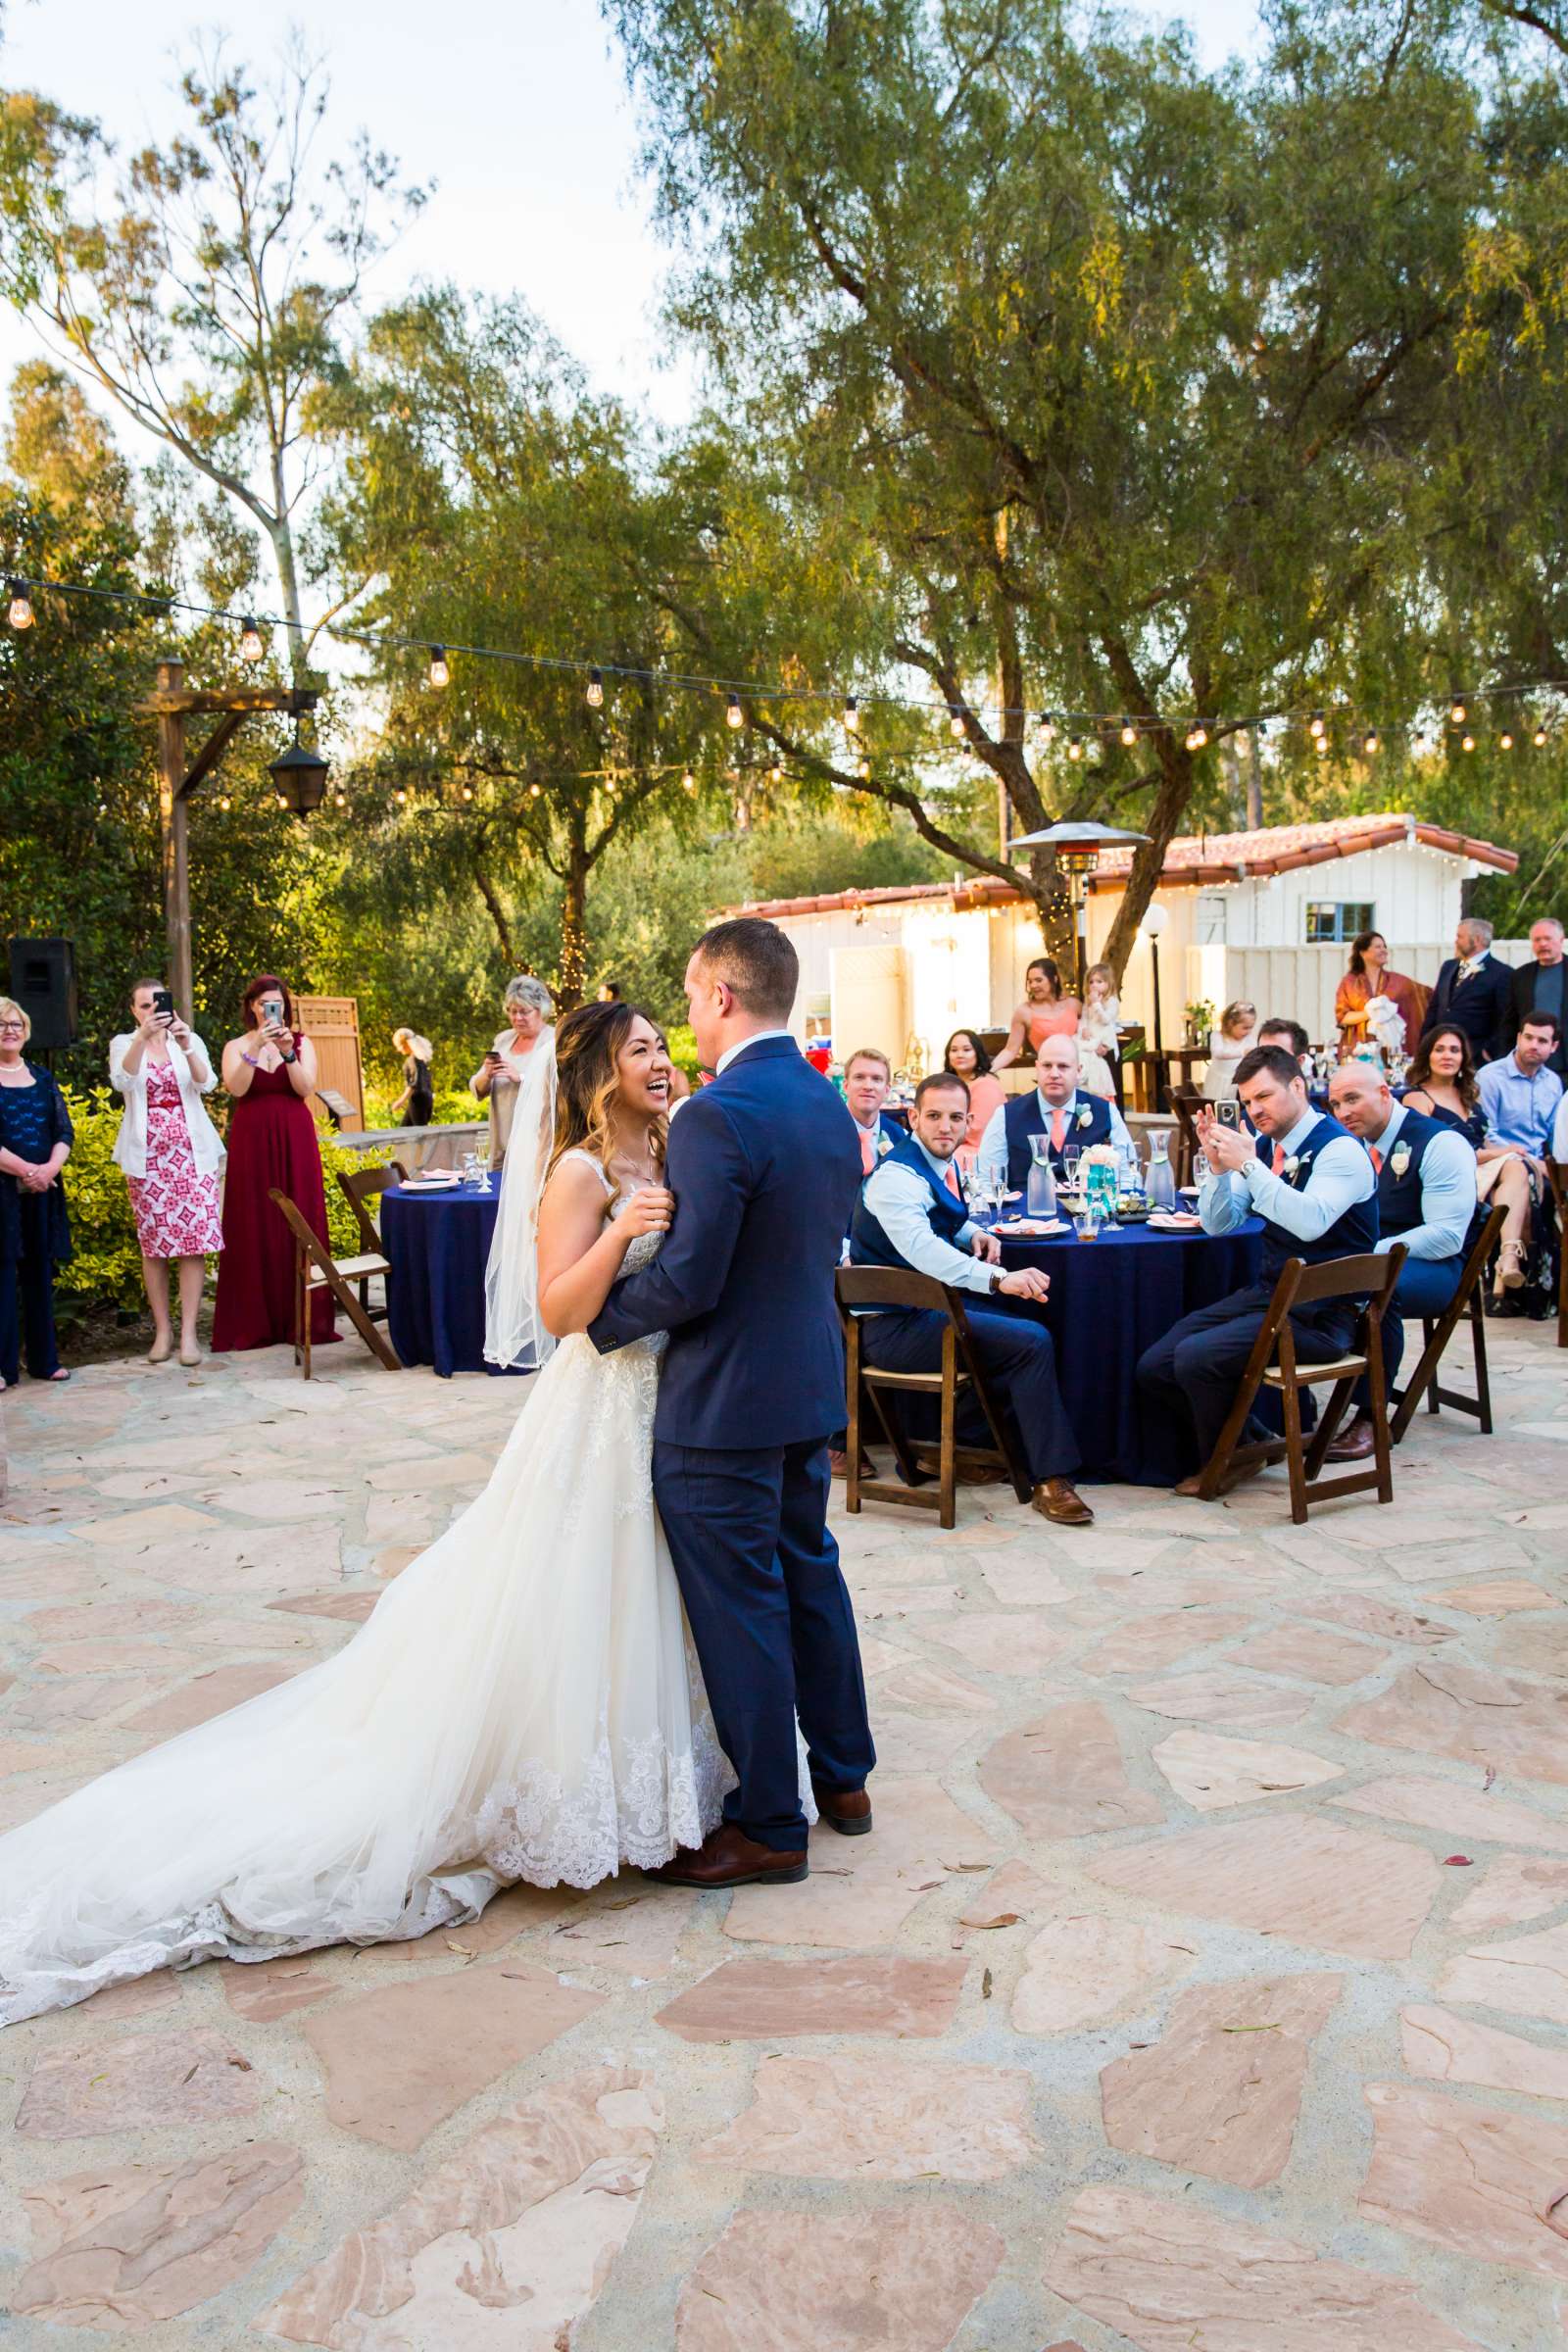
(518, 109)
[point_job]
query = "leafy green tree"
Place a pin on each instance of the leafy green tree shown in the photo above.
(1100, 385)
(495, 504)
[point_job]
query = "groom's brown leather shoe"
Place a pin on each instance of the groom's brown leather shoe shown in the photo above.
(728, 1857)
(847, 1810)
(1059, 1500)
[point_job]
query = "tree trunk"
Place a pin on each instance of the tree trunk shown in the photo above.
(573, 914)
(498, 915)
(1048, 887)
(1254, 787)
(282, 538)
(1148, 859)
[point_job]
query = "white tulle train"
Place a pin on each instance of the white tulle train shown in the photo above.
(523, 1703)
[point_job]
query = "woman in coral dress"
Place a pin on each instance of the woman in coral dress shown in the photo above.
(1044, 1012)
(270, 1072)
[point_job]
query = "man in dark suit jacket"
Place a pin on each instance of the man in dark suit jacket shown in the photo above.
(1474, 993)
(1542, 986)
(765, 1168)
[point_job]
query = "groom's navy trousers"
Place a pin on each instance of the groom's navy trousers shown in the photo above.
(765, 1165)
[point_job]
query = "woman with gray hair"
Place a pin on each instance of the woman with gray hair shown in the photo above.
(527, 1006)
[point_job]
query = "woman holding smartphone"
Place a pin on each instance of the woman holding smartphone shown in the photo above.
(269, 1070)
(170, 1154)
(527, 1004)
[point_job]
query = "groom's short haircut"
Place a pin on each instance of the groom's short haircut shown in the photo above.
(871, 1053)
(941, 1082)
(758, 964)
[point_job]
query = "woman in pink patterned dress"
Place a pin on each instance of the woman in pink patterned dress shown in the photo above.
(171, 1152)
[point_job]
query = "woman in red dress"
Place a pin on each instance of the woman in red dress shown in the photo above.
(270, 1073)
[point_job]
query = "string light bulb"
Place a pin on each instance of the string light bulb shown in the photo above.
(864, 770)
(734, 715)
(1047, 727)
(1317, 724)
(342, 800)
(776, 772)
(1129, 733)
(223, 800)
(852, 715)
(596, 688)
(1371, 741)
(1075, 749)
(688, 782)
(251, 648)
(468, 792)
(1467, 743)
(1456, 713)
(1506, 741)
(401, 797)
(440, 675)
(20, 613)
(1539, 739)
(533, 792)
(955, 722)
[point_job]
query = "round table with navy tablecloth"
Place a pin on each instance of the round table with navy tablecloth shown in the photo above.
(437, 1244)
(1109, 1300)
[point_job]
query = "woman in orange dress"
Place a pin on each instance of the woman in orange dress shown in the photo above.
(1044, 1012)
(1369, 976)
(967, 1057)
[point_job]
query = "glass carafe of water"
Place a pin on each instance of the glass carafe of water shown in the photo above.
(1040, 1194)
(1161, 1182)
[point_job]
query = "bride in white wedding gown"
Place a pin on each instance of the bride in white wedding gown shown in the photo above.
(523, 1703)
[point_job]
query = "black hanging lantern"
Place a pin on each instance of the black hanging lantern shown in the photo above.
(300, 779)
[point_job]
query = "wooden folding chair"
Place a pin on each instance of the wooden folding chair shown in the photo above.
(1273, 1363)
(1187, 1107)
(359, 1189)
(317, 1269)
(1439, 1330)
(1557, 1178)
(891, 1287)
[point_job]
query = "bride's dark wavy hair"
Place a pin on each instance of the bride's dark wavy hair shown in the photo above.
(588, 1046)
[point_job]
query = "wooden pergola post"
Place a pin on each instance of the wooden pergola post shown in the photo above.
(171, 704)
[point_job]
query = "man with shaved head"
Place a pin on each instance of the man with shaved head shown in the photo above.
(1426, 1176)
(1058, 1109)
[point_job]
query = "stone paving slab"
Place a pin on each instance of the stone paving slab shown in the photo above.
(1204, 1986)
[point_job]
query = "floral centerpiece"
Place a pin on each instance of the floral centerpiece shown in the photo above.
(1098, 1169)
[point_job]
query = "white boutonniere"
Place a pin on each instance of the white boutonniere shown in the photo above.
(884, 1143)
(1086, 1116)
(1400, 1158)
(1291, 1166)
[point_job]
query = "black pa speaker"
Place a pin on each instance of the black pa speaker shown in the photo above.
(43, 981)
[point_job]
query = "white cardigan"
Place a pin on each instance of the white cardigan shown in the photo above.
(130, 1143)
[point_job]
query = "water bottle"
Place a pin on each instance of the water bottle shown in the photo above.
(1161, 1181)
(1040, 1194)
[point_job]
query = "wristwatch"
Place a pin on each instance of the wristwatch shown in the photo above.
(997, 1276)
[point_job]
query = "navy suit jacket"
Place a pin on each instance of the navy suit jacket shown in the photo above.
(1482, 1006)
(765, 1165)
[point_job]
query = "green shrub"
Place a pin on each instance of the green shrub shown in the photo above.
(105, 1270)
(682, 1050)
(106, 1267)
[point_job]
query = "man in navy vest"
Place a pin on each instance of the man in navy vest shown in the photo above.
(1426, 1176)
(867, 1076)
(911, 1213)
(1316, 1195)
(764, 1169)
(1056, 1108)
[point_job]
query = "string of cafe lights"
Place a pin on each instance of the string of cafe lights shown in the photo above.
(1070, 734)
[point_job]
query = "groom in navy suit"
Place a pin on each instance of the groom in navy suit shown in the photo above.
(764, 1166)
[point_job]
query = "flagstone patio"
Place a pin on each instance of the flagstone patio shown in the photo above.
(1204, 1985)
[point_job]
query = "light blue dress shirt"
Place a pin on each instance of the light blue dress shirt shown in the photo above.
(1341, 1175)
(1519, 1110)
(992, 1164)
(1447, 1192)
(901, 1202)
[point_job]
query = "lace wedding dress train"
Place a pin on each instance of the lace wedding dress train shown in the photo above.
(523, 1703)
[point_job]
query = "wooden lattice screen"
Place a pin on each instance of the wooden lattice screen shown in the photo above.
(333, 1025)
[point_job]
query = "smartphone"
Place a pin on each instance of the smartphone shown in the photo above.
(1229, 1114)
(163, 1005)
(273, 1009)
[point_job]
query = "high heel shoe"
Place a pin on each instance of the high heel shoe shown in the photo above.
(1510, 1266)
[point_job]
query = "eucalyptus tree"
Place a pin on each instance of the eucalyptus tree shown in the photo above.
(207, 287)
(1102, 386)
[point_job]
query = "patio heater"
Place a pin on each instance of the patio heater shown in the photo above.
(1078, 846)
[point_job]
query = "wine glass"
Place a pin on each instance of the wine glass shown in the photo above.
(1202, 1171)
(481, 1165)
(1070, 1162)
